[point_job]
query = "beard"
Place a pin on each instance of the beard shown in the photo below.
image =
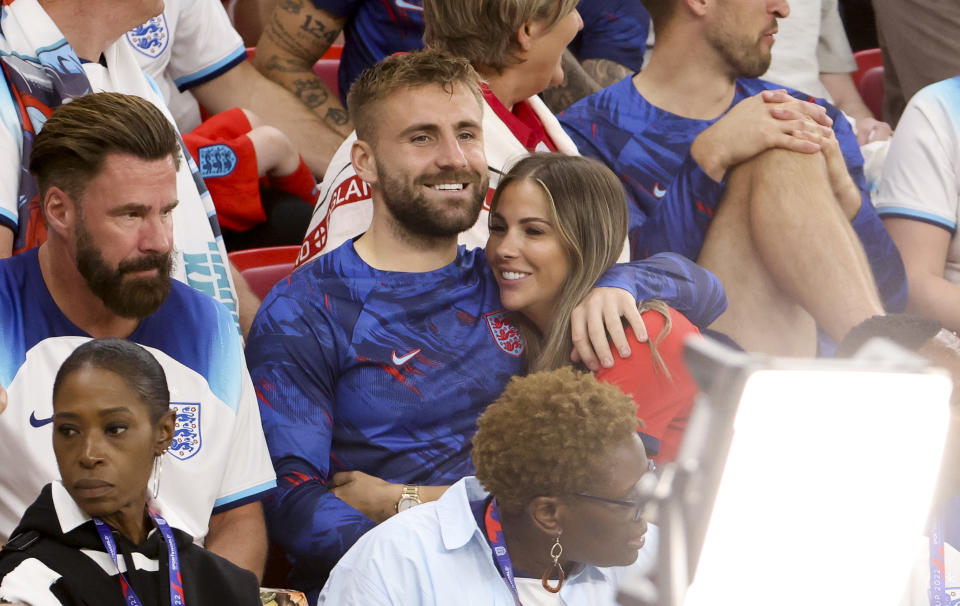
(422, 218)
(746, 59)
(127, 297)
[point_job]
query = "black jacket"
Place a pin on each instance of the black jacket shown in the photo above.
(207, 578)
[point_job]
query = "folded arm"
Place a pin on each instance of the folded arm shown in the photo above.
(243, 86)
(294, 372)
(296, 36)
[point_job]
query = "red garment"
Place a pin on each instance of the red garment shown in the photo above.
(662, 403)
(523, 122)
(228, 163)
(299, 183)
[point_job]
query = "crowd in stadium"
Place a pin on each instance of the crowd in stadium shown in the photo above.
(497, 221)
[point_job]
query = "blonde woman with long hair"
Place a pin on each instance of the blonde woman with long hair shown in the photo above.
(557, 223)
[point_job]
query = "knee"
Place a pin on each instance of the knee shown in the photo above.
(784, 165)
(276, 154)
(252, 118)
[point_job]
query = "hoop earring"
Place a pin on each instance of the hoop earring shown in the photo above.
(555, 552)
(157, 470)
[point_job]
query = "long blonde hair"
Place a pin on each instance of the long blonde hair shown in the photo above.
(588, 208)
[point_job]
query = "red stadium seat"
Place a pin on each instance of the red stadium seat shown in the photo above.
(334, 52)
(327, 69)
(866, 60)
(264, 267)
(871, 89)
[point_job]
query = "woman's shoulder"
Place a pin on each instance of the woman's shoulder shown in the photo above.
(36, 568)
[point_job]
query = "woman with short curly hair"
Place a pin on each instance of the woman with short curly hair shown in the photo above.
(555, 508)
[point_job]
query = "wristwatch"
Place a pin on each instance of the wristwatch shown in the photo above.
(409, 497)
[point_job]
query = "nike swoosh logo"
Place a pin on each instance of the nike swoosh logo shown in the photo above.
(409, 6)
(659, 191)
(39, 422)
(400, 361)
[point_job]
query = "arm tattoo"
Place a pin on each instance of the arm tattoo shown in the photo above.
(291, 6)
(276, 64)
(605, 72)
(576, 85)
(318, 30)
(336, 115)
(311, 91)
(287, 42)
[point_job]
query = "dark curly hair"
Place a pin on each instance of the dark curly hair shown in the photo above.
(549, 434)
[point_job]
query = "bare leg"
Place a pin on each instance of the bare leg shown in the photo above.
(787, 255)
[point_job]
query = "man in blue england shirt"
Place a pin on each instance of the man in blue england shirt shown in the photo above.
(763, 187)
(376, 359)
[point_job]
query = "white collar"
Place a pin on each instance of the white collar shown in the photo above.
(71, 516)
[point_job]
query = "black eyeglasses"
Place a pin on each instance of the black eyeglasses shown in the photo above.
(636, 505)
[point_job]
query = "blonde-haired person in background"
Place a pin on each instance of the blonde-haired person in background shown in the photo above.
(554, 508)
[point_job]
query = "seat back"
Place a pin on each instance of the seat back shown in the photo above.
(866, 60)
(327, 70)
(871, 90)
(264, 267)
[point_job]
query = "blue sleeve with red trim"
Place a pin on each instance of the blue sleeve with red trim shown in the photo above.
(612, 29)
(674, 279)
(293, 368)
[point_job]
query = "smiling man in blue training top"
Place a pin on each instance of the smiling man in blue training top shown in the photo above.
(373, 361)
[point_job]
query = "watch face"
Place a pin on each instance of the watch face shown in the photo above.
(407, 503)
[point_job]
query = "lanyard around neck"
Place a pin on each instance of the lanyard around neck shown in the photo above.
(173, 561)
(493, 531)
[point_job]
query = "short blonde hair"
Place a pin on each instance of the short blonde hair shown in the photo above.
(485, 31)
(411, 70)
(550, 434)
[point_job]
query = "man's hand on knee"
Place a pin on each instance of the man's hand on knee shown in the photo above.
(841, 183)
(771, 119)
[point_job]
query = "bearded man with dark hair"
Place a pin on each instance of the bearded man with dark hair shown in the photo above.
(106, 165)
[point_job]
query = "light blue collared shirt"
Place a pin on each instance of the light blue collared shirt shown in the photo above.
(435, 554)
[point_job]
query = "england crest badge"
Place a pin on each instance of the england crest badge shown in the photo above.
(151, 38)
(504, 333)
(186, 433)
(216, 160)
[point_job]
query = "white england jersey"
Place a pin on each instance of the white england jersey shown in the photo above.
(188, 44)
(218, 458)
(921, 176)
(201, 259)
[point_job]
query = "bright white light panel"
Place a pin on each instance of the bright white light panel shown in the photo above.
(826, 489)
